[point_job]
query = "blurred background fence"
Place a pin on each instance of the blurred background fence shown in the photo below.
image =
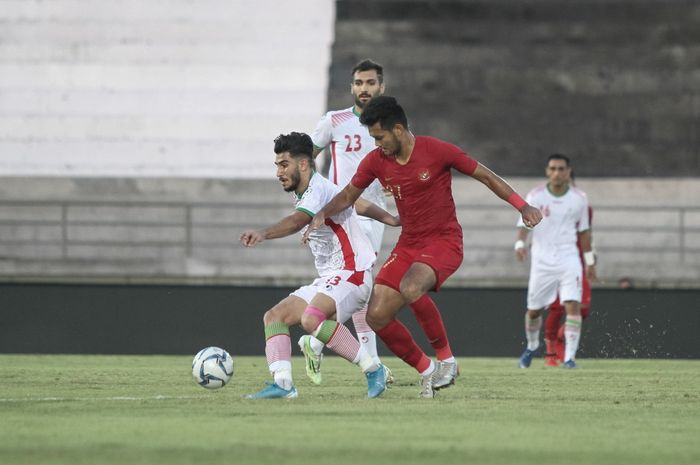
(150, 238)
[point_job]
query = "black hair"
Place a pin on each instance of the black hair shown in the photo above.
(559, 156)
(298, 144)
(368, 65)
(385, 110)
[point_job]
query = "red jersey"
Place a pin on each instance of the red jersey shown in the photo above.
(422, 187)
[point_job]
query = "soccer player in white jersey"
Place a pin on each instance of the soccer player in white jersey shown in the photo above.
(555, 267)
(343, 258)
(348, 142)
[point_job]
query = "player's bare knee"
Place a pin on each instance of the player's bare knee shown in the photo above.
(271, 316)
(532, 314)
(376, 321)
(309, 323)
(411, 292)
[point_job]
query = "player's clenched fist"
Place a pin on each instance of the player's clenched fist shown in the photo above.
(531, 216)
(251, 238)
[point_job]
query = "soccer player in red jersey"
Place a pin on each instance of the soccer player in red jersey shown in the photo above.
(417, 170)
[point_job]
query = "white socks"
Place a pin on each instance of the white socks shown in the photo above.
(532, 332)
(282, 374)
(572, 336)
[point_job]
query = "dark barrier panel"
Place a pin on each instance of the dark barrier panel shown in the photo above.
(111, 319)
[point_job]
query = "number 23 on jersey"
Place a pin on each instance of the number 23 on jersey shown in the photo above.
(354, 143)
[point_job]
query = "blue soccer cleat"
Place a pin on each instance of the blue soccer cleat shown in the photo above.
(569, 364)
(274, 391)
(376, 382)
(526, 358)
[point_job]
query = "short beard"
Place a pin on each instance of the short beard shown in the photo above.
(360, 104)
(294, 178)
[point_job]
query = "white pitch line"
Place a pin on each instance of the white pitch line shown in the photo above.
(94, 399)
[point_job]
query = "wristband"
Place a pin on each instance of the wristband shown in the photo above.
(515, 200)
(589, 258)
(519, 244)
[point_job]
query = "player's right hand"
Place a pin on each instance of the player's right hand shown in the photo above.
(521, 254)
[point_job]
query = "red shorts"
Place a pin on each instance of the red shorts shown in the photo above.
(443, 256)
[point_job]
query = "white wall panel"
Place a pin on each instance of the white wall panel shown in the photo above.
(158, 88)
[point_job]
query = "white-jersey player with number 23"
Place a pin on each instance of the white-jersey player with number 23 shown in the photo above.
(348, 141)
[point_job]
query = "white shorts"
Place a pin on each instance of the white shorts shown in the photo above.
(349, 298)
(546, 282)
(374, 230)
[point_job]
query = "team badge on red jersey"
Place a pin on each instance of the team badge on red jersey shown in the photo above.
(424, 175)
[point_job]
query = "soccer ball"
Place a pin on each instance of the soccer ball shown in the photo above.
(212, 368)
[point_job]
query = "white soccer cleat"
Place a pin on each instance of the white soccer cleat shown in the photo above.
(388, 376)
(313, 360)
(445, 374)
(426, 387)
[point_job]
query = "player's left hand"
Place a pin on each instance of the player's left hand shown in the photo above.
(251, 238)
(591, 273)
(531, 216)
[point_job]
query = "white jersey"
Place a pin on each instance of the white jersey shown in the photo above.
(340, 244)
(349, 142)
(563, 217)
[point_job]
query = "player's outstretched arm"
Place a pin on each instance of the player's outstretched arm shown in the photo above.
(374, 211)
(340, 202)
(284, 227)
(531, 215)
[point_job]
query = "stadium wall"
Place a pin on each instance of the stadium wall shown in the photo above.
(121, 159)
(170, 88)
(102, 319)
(613, 83)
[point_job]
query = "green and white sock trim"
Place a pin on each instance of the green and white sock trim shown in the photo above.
(274, 329)
(325, 330)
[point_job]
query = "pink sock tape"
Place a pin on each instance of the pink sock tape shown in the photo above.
(311, 310)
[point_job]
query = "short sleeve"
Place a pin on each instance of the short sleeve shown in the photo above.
(323, 133)
(584, 223)
(457, 158)
(315, 198)
(366, 172)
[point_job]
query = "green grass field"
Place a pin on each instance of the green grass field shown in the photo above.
(148, 410)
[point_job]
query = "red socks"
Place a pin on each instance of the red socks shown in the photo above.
(429, 318)
(399, 340)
